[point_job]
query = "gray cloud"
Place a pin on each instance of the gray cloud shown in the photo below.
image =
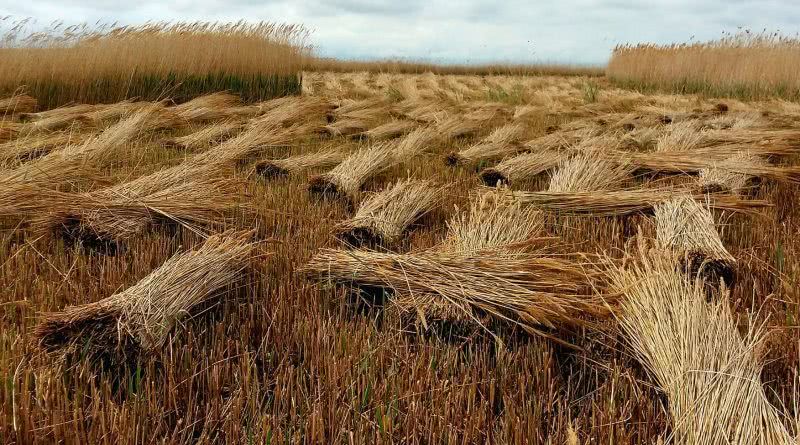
(569, 31)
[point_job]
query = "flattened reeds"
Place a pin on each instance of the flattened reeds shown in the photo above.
(34, 146)
(271, 168)
(502, 142)
(523, 167)
(687, 227)
(383, 218)
(210, 107)
(140, 318)
(710, 374)
(389, 130)
(587, 173)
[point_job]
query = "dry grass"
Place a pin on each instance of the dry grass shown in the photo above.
(588, 173)
(20, 103)
(384, 217)
(502, 142)
(207, 136)
(293, 165)
(347, 178)
(142, 316)
(710, 374)
(522, 168)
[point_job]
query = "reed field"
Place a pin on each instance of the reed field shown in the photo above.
(391, 257)
(745, 65)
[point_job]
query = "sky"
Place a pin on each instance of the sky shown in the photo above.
(453, 31)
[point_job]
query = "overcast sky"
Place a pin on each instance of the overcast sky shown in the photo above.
(462, 31)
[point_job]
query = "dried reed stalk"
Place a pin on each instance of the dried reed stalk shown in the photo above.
(415, 144)
(293, 110)
(383, 218)
(502, 142)
(141, 318)
(687, 227)
(21, 103)
(709, 373)
(210, 107)
(34, 146)
(458, 126)
(295, 164)
(521, 168)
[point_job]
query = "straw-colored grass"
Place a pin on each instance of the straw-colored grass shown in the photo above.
(389, 130)
(347, 178)
(588, 173)
(710, 374)
(104, 64)
(141, 318)
(19, 103)
(744, 65)
(733, 174)
(383, 218)
(208, 135)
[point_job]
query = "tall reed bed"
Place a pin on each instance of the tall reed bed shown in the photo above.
(180, 60)
(743, 65)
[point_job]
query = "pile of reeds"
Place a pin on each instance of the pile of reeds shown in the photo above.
(103, 219)
(292, 165)
(357, 117)
(389, 130)
(289, 111)
(627, 201)
(383, 218)
(685, 226)
(58, 119)
(141, 318)
(522, 168)
(588, 173)
(529, 290)
(495, 221)
(459, 126)
(206, 136)
(710, 375)
(203, 109)
(415, 144)
(20, 103)
(30, 147)
(347, 178)
(502, 142)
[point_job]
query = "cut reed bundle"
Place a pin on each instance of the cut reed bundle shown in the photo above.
(296, 164)
(687, 227)
(9, 130)
(415, 144)
(528, 289)
(34, 146)
(622, 202)
(710, 375)
(458, 126)
(141, 318)
(733, 174)
(293, 110)
(495, 221)
(357, 122)
(588, 173)
(206, 136)
(502, 142)
(105, 218)
(21, 103)
(383, 218)
(389, 130)
(58, 115)
(681, 137)
(523, 167)
(347, 178)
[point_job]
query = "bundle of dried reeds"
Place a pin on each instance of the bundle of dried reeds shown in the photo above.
(414, 144)
(140, 318)
(9, 130)
(389, 130)
(384, 217)
(588, 173)
(34, 146)
(295, 164)
(495, 221)
(732, 175)
(622, 202)
(347, 178)
(103, 219)
(292, 110)
(709, 373)
(521, 168)
(687, 227)
(207, 108)
(458, 126)
(206, 136)
(527, 289)
(502, 142)
(21, 103)
(357, 122)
